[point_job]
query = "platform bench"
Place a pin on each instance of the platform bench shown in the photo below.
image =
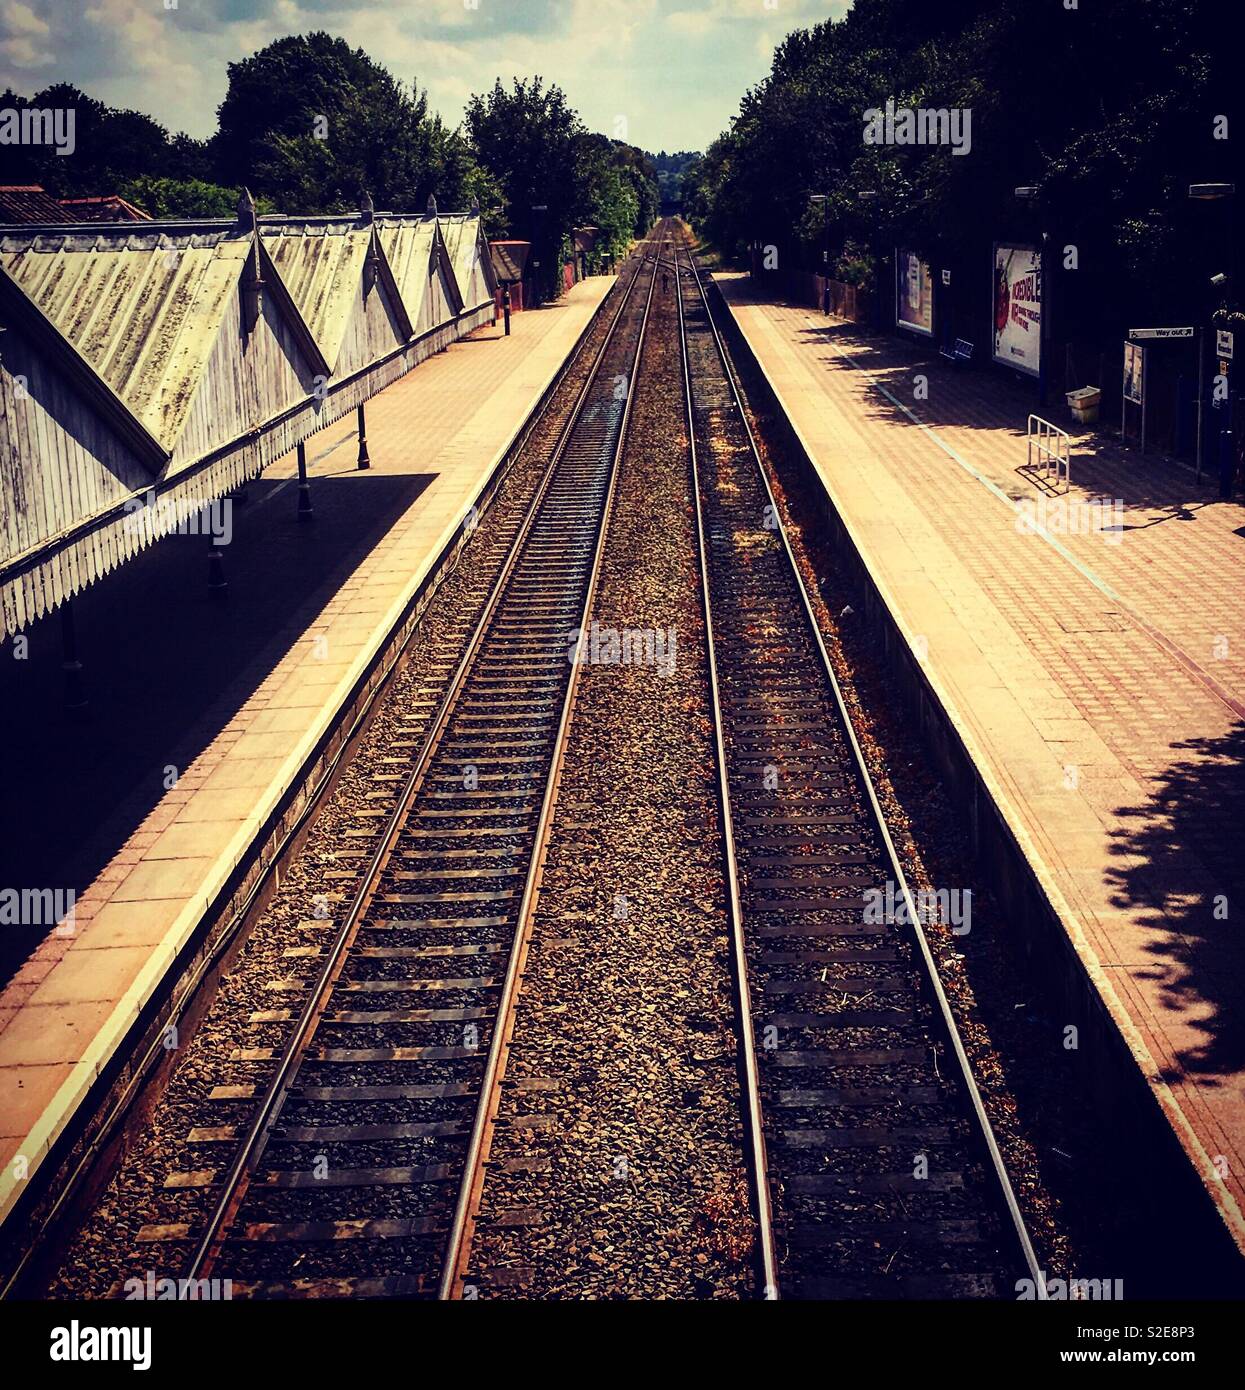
(961, 352)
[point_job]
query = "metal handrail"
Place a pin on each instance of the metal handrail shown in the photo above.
(1053, 447)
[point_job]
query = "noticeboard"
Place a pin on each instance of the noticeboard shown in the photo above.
(1018, 307)
(1134, 373)
(914, 293)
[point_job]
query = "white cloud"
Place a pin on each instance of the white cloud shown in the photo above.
(674, 68)
(694, 22)
(24, 36)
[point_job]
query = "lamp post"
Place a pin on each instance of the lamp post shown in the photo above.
(538, 223)
(1215, 193)
(504, 285)
(1031, 194)
(824, 200)
(871, 199)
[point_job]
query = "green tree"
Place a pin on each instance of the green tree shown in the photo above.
(313, 124)
(531, 142)
(610, 201)
(184, 198)
(638, 169)
(110, 146)
(1108, 110)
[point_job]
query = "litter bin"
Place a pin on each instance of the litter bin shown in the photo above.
(1084, 404)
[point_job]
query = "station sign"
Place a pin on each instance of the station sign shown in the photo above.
(1160, 332)
(1223, 343)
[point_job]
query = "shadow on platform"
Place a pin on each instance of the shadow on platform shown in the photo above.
(166, 667)
(1185, 875)
(985, 398)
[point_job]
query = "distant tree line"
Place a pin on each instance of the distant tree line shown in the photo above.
(1110, 109)
(309, 124)
(670, 171)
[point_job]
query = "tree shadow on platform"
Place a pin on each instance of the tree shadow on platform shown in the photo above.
(1185, 869)
(167, 667)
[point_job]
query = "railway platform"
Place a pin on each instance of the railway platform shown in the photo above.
(170, 794)
(1087, 649)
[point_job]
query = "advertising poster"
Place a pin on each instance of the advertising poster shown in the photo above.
(1018, 307)
(1134, 372)
(914, 294)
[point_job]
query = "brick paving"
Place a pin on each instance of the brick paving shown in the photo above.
(245, 690)
(1097, 676)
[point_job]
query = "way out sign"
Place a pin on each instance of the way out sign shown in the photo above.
(1160, 333)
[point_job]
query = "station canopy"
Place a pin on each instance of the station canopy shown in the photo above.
(149, 368)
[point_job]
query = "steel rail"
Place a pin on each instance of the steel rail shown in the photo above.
(264, 1120)
(458, 1244)
(750, 1072)
(985, 1130)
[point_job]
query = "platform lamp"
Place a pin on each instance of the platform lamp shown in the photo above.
(538, 222)
(1030, 194)
(824, 200)
(871, 199)
(1216, 193)
(505, 284)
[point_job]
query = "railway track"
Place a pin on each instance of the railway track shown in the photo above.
(875, 1171)
(371, 1126)
(629, 1180)
(415, 676)
(355, 1164)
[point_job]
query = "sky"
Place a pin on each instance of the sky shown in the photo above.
(661, 74)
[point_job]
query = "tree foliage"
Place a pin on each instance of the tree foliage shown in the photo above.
(554, 175)
(1107, 108)
(314, 124)
(309, 124)
(670, 170)
(109, 145)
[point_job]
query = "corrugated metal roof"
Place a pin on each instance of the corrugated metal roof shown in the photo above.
(143, 308)
(462, 241)
(178, 356)
(407, 244)
(111, 208)
(321, 262)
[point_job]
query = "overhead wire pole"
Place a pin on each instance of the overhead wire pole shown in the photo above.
(1214, 193)
(824, 200)
(1030, 193)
